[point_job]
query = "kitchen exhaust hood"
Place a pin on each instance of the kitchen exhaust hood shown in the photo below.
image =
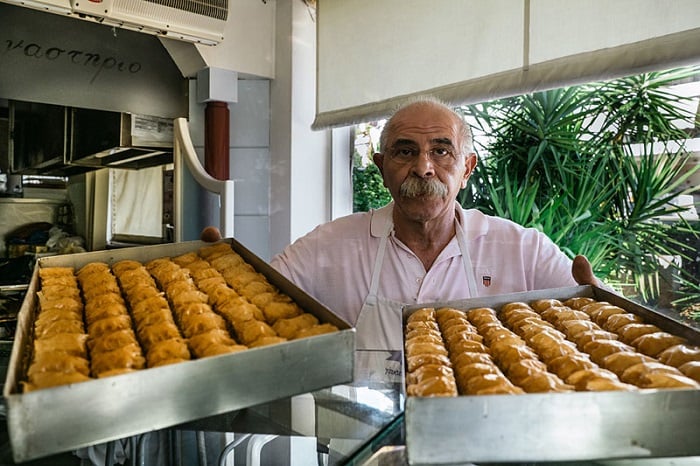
(119, 140)
(50, 139)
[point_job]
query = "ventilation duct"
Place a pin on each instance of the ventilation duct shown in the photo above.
(199, 21)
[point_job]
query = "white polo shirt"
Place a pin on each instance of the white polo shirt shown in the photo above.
(333, 263)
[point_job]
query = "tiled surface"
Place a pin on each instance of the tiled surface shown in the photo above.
(250, 116)
(248, 230)
(251, 170)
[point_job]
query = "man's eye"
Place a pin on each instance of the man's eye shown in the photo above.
(440, 152)
(405, 152)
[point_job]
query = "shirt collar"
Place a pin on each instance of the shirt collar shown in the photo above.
(380, 219)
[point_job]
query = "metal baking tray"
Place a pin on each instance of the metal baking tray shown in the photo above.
(64, 418)
(578, 426)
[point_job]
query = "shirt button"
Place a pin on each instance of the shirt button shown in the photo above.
(419, 280)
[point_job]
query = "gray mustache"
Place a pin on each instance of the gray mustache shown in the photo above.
(416, 187)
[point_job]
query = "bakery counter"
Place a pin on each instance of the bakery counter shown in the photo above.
(343, 424)
(346, 431)
(215, 374)
(558, 375)
(340, 423)
(266, 434)
(301, 401)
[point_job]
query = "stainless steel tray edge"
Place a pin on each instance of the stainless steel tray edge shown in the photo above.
(65, 418)
(69, 417)
(553, 427)
(22, 333)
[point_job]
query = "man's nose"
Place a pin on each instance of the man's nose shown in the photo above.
(424, 165)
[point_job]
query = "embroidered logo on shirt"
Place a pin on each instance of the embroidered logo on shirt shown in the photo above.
(486, 280)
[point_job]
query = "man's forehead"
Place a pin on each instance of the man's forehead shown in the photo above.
(422, 120)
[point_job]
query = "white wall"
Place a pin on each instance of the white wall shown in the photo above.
(249, 39)
(300, 195)
(311, 168)
(289, 178)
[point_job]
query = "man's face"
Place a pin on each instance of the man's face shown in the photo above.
(423, 165)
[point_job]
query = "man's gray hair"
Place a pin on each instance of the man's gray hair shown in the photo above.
(465, 130)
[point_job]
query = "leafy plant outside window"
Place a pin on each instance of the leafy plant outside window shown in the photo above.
(369, 191)
(597, 168)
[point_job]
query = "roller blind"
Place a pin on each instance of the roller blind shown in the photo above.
(372, 55)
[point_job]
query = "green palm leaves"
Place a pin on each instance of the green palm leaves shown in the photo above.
(595, 167)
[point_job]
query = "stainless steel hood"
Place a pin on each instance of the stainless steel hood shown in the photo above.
(50, 139)
(119, 140)
(85, 93)
(127, 157)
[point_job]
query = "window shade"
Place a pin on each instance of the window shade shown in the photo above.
(373, 55)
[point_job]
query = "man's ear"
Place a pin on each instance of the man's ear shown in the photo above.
(469, 165)
(378, 158)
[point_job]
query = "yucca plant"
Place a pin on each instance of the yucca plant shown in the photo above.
(582, 165)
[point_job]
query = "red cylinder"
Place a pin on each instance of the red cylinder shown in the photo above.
(216, 140)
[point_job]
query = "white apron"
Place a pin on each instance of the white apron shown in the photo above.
(379, 327)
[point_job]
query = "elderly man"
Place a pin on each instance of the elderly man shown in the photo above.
(423, 247)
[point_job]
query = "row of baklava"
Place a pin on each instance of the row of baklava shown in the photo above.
(659, 357)
(153, 320)
(544, 346)
(242, 316)
(59, 353)
(567, 337)
(515, 354)
(429, 370)
(259, 313)
(112, 343)
(205, 331)
(562, 356)
(104, 320)
(63, 352)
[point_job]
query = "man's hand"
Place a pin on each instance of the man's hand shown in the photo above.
(583, 272)
(210, 235)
